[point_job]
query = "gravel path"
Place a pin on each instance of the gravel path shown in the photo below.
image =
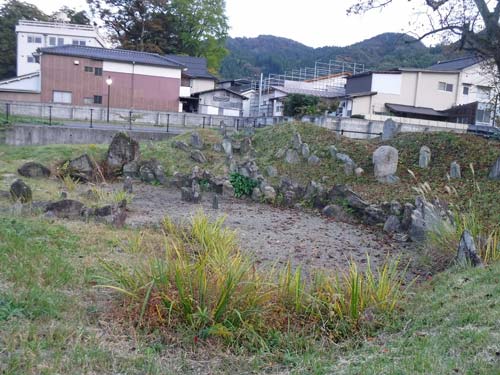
(271, 234)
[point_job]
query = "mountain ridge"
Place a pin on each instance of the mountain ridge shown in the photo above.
(248, 57)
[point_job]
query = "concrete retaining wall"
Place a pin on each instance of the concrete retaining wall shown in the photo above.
(23, 135)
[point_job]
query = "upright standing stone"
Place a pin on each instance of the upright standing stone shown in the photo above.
(389, 130)
(304, 150)
(297, 141)
(196, 141)
(228, 147)
(292, 157)
(121, 151)
(467, 253)
(455, 171)
(246, 146)
(495, 170)
(215, 202)
(21, 192)
(333, 151)
(424, 158)
(127, 185)
(385, 161)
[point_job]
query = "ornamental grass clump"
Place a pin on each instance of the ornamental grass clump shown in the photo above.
(203, 282)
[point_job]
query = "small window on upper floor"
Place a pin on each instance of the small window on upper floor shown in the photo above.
(89, 69)
(60, 41)
(52, 41)
(34, 39)
(78, 42)
(443, 86)
(466, 90)
(31, 59)
(98, 71)
(97, 99)
(483, 93)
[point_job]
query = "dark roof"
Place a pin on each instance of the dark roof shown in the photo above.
(121, 55)
(456, 64)
(196, 66)
(370, 72)
(222, 89)
(361, 94)
(400, 108)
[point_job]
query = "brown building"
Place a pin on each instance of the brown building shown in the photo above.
(79, 76)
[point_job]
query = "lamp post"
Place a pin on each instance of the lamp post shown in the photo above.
(109, 81)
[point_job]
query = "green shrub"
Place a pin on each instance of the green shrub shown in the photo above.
(242, 185)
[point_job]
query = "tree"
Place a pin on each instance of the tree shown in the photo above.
(298, 105)
(10, 13)
(190, 27)
(79, 18)
(474, 24)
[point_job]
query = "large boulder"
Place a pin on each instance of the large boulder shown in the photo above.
(428, 217)
(198, 156)
(336, 212)
(292, 156)
(181, 146)
(21, 192)
(82, 168)
(495, 170)
(196, 141)
(342, 194)
(385, 161)
(151, 171)
(122, 150)
(33, 169)
(424, 157)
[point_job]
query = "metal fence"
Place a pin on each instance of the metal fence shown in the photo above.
(51, 114)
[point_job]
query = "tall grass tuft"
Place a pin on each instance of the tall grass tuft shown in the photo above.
(203, 281)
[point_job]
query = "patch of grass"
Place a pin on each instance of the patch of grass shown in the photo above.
(17, 119)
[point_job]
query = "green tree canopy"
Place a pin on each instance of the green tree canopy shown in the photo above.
(10, 13)
(190, 27)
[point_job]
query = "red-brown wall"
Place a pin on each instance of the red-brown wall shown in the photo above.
(20, 96)
(130, 91)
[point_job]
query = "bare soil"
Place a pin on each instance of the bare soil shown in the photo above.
(271, 234)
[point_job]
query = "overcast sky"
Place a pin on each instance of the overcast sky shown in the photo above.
(316, 23)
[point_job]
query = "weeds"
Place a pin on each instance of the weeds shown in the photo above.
(242, 185)
(205, 283)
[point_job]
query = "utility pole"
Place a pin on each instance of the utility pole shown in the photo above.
(260, 91)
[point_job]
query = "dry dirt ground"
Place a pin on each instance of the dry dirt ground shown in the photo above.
(271, 234)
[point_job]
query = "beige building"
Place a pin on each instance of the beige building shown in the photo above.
(457, 90)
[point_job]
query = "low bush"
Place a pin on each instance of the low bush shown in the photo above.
(205, 283)
(242, 185)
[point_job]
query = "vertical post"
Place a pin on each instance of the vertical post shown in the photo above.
(237, 124)
(7, 111)
(91, 116)
(130, 120)
(254, 122)
(203, 122)
(210, 122)
(168, 121)
(260, 91)
(109, 93)
(50, 115)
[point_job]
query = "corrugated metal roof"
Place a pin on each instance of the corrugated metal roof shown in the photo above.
(456, 64)
(196, 66)
(400, 108)
(120, 55)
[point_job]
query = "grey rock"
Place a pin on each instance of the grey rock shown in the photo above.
(342, 193)
(217, 147)
(333, 151)
(288, 185)
(271, 171)
(233, 166)
(395, 208)
(466, 252)
(304, 150)
(424, 158)
(181, 146)
(373, 215)
(180, 180)
(215, 202)
(228, 147)
(296, 141)
(82, 168)
(20, 192)
(289, 198)
(227, 189)
(337, 212)
(455, 171)
(196, 141)
(269, 193)
(316, 194)
(192, 194)
(292, 156)
(349, 169)
(159, 173)
(406, 220)
(127, 185)
(236, 147)
(32, 170)
(392, 225)
(359, 171)
(122, 150)
(246, 146)
(385, 161)
(495, 170)
(313, 160)
(198, 156)
(388, 179)
(280, 153)
(66, 209)
(256, 194)
(389, 130)
(131, 169)
(146, 174)
(344, 158)
(428, 217)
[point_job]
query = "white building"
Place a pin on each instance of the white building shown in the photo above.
(32, 35)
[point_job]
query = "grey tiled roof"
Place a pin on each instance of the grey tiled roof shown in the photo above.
(414, 110)
(112, 55)
(196, 66)
(456, 64)
(335, 92)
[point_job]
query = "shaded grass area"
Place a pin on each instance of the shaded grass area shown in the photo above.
(13, 119)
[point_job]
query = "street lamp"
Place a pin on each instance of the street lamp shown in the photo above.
(109, 81)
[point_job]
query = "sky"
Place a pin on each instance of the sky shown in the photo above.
(315, 23)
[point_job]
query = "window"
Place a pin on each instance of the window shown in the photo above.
(98, 71)
(77, 42)
(88, 100)
(97, 99)
(483, 93)
(483, 115)
(60, 41)
(443, 86)
(466, 90)
(89, 69)
(52, 41)
(31, 59)
(34, 39)
(62, 97)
